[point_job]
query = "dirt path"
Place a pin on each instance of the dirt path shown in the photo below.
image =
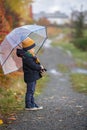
(64, 109)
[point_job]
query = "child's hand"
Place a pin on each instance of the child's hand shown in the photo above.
(41, 67)
(42, 71)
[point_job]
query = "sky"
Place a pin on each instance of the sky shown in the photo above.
(65, 6)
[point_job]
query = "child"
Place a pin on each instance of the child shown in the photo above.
(32, 71)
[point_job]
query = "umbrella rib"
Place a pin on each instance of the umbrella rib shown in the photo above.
(7, 57)
(42, 42)
(41, 46)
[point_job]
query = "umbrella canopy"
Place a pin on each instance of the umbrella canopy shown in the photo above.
(8, 59)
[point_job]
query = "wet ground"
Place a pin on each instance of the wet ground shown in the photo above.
(63, 108)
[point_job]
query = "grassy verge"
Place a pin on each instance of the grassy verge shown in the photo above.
(79, 82)
(11, 95)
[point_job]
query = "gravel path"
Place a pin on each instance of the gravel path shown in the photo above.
(64, 109)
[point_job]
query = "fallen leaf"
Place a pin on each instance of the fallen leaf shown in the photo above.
(40, 117)
(12, 118)
(1, 121)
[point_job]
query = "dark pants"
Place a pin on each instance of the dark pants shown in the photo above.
(29, 98)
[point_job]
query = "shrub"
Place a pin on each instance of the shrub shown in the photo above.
(80, 43)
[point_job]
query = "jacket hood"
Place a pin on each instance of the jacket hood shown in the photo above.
(20, 52)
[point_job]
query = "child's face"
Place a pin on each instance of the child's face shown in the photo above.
(32, 50)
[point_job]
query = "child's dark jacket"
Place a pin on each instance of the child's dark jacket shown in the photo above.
(30, 67)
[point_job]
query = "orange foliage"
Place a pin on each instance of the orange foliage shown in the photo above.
(52, 31)
(43, 21)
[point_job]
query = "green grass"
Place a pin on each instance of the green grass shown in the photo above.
(85, 32)
(11, 98)
(79, 82)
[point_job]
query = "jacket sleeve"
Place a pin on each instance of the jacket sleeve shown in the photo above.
(29, 61)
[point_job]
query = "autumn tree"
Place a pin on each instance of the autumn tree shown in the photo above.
(11, 12)
(19, 6)
(43, 21)
(12, 17)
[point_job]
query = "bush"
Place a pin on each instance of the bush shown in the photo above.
(80, 43)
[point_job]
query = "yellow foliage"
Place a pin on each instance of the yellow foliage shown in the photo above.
(1, 121)
(19, 6)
